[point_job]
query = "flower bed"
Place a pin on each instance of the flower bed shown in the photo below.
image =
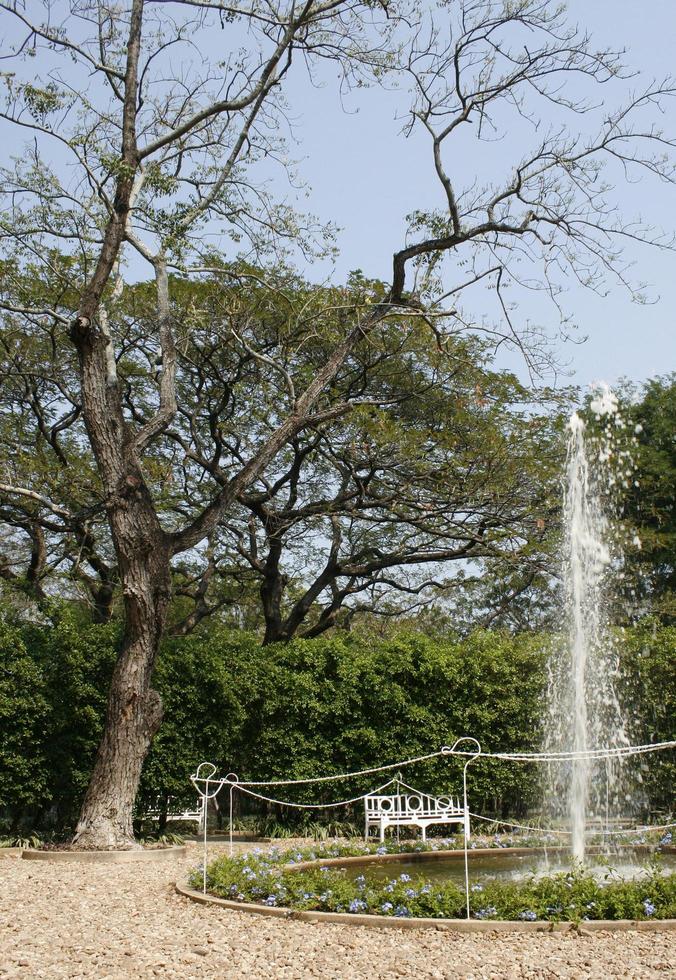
(263, 878)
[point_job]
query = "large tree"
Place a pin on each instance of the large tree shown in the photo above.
(442, 462)
(142, 151)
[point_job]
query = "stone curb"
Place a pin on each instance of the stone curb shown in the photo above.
(443, 925)
(108, 857)
(11, 852)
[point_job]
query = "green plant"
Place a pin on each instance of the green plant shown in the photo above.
(575, 895)
(25, 842)
(168, 839)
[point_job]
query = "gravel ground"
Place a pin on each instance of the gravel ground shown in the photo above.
(113, 922)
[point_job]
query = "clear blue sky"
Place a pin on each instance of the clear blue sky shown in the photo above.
(364, 176)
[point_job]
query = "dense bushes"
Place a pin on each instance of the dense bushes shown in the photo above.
(312, 707)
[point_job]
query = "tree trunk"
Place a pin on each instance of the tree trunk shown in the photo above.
(134, 710)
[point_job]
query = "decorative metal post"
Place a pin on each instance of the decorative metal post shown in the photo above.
(471, 758)
(196, 779)
(233, 779)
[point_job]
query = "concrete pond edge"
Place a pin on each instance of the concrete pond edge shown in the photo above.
(444, 925)
(108, 857)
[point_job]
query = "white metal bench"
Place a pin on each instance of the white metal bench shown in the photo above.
(176, 815)
(412, 809)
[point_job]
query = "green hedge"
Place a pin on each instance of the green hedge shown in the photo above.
(314, 707)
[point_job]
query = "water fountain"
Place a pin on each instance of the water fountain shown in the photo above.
(585, 712)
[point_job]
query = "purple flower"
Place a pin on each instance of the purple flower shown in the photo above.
(356, 905)
(386, 907)
(401, 911)
(528, 915)
(271, 900)
(648, 907)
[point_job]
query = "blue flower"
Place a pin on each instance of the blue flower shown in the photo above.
(271, 900)
(381, 850)
(356, 905)
(528, 916)
(410, 893)
(233, 889)
(404, 877)
(325, 897)
(425, 890)
(485, 913)
(360, 881)
(386, 907)
(401, 911)
(389, 888)
(477, 888)
(666, 838)
(307, 895)
(648, 907)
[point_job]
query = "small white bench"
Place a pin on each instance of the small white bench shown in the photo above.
(175, 815)
(412, 809)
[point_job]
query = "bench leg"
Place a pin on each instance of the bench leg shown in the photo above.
(424, 833)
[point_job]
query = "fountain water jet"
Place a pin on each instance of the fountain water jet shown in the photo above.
(584, 707)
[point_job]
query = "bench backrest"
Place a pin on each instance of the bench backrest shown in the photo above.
(411, 804)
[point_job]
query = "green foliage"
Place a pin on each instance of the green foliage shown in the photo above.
(651, 503)
(24, 710)
(336, 705)
(311, 707)
(270, 879)
(648, 666)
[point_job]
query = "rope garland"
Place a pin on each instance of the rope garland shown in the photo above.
(311, 806)
(602, 753)
(611, 752)
(569, 833)
(348, 775)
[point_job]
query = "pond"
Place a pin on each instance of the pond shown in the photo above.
(503, 865)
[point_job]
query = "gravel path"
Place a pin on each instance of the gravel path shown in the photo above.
(113, 922)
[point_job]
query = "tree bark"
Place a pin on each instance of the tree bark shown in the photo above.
(134, 710)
